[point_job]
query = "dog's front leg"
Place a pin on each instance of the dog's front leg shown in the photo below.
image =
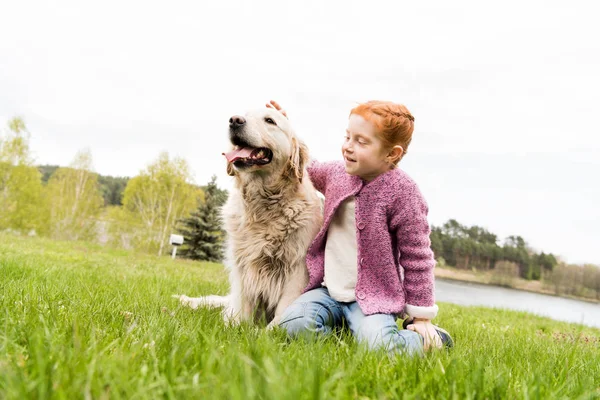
(233, 313)
(291, 291)
(238, 311)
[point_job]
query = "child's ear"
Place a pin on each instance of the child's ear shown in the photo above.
(395, 154)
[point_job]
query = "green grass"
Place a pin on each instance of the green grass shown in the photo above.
(81, 321)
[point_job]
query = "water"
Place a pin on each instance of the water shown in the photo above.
(473, 294)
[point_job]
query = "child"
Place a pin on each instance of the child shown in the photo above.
(372, 260)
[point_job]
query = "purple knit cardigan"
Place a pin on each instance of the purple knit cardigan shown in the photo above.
(392, 232)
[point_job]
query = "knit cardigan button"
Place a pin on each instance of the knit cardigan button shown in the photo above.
(360, 295)
(361, 225)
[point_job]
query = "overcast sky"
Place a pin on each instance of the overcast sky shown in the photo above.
(505, 94)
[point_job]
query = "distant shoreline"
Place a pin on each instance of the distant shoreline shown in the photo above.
(486, 278)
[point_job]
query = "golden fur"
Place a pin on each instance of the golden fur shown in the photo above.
(271, 217)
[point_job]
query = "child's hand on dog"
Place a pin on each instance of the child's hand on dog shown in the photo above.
(275, 105)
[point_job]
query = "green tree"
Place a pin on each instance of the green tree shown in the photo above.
(22, 205)
(547, 261)
(47, 171)
(157, 198)
(21, 201)
(515, 250)
(491, 253)
(202, 231)
(112, 189)
(591, 279)
(75, 200)
(14, 149)
(437, 244)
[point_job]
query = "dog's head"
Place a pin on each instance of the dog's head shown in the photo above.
(264, 143)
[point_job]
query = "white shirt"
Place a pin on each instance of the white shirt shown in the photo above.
(341, 269)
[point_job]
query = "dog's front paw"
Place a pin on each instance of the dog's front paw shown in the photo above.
(186, 301)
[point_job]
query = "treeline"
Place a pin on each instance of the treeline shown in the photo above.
(475, 248)
(74, 203)
(111, 187)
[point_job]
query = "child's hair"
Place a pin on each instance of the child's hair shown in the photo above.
(394, 123)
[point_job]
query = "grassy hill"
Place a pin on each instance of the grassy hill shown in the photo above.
(82, 321)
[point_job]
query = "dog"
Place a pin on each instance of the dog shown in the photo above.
(270, 218)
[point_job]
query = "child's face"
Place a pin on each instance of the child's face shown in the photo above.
(363, 151)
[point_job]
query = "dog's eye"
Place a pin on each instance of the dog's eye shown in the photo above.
(270, 121)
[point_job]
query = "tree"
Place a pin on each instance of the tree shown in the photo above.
(159, 197)
(437, 244)
(454, 229)
(202, 232)
(75, 200)
(21, 201)
(547, 261)
(112, 189)
(14, 149)
(22, 206)
(47, 171)
(591, 279)
(491, 253)
(515, 250)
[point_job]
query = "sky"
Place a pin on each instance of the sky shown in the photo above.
(504, 94)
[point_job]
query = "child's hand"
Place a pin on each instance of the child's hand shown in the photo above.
(425, 328)
(275, 105)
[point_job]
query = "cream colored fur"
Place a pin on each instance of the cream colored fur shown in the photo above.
(271, 217)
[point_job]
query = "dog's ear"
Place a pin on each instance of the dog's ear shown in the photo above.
(298, 159)
(230, 170)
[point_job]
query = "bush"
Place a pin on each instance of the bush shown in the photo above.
(574, 280)
(505, 273)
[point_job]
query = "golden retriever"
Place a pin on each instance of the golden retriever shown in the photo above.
(271, 217)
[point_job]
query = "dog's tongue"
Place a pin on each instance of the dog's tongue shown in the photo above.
(233, 155)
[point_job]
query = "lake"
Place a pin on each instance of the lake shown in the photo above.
(474, 294)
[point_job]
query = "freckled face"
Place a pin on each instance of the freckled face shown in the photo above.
(363, 151)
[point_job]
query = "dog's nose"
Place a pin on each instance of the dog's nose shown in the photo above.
(236, 121)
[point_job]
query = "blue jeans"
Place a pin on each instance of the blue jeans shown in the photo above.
(315, 312)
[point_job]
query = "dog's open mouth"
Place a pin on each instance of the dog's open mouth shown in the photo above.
(248, 156)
